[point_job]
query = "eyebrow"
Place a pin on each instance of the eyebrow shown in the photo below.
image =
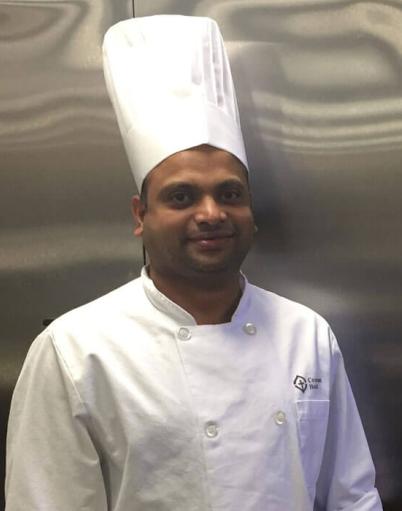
(176, 185)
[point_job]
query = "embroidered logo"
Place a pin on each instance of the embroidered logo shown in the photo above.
(302, 383)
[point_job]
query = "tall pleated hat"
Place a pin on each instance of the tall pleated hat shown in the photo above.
(171, 87)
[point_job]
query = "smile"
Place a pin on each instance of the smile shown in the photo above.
(215, 242)
(211, 236)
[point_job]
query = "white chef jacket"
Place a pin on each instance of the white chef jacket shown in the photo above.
(126, 404)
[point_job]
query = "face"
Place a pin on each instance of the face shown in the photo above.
(197, 219)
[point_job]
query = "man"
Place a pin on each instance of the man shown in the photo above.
(188, 389)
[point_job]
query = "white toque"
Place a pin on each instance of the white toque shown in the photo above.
(170, 83)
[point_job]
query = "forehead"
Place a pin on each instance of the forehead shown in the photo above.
(203, 166)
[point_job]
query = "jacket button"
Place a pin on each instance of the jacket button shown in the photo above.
(184, 334)
(280, 417)
(211, 429)
(250, 329)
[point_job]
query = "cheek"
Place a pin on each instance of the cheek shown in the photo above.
(244, 219)
(166, 225)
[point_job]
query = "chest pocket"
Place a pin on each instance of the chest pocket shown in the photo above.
(312, 421)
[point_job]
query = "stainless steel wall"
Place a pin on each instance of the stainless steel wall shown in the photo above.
(319, 88)
(65, 230)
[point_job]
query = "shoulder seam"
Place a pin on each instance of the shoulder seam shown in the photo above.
(68, 372)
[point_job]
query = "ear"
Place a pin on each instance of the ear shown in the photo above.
(138, 211)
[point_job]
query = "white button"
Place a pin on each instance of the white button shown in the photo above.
(250, 328)
(211, 429)
(280, 418)
(184, 334)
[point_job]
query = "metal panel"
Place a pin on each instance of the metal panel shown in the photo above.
(65, 232)
(319, 86)
(64, 175)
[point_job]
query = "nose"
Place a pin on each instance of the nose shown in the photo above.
(209, 212)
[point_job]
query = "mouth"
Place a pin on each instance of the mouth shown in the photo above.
(211, 240)
(213, 235)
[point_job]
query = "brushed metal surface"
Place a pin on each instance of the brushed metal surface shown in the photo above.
(319, 89)
(65, 183)
(65, 230)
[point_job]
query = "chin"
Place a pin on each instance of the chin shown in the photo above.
(214, 267)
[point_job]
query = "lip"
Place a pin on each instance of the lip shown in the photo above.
(211, 236)
(211, 240)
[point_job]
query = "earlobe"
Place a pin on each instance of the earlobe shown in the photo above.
(138, 230)
(137, 210)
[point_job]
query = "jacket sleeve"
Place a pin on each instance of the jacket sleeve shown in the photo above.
(347, 476)
(52, 463)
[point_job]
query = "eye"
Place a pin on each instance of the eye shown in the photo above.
(180, 198)
(231, 195)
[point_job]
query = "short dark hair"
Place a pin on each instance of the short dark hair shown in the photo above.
(144, 191)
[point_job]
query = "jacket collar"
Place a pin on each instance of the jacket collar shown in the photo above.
(177, 313)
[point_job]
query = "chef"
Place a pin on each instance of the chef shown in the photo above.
(187, 389)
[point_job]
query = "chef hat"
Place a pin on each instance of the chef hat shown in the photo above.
(171, 87)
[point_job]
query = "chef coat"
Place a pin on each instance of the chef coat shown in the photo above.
(126, 404)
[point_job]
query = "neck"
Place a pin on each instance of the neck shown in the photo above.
(210, 301)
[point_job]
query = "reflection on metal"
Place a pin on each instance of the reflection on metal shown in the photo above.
(52, 93)
(65, 227)
(80, 246)
(319, 89)
(332, 76)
